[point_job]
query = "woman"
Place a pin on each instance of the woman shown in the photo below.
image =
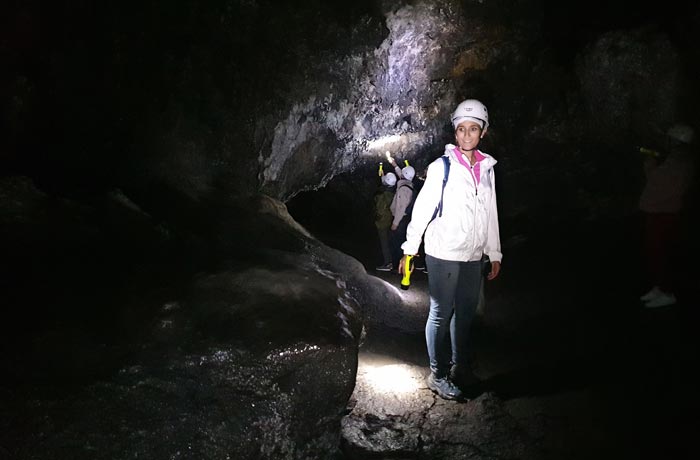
(456, 241)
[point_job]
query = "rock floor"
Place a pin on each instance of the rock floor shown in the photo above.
(572, 365)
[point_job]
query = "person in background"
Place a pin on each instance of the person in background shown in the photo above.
(399, 205)
(383, 217)
(455, 242)
(668, 178)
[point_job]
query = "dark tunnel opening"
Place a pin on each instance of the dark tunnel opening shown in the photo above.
(341, 214)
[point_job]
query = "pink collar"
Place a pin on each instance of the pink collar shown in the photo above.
(477, 155)
(474, 171)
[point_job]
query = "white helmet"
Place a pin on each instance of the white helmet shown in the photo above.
(389, 179)
(682, 133)
(408, 172)
(472, 110)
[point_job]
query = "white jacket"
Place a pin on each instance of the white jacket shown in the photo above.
(468, 227)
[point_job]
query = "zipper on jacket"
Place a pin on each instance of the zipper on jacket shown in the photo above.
(476, 185)
(476, 206)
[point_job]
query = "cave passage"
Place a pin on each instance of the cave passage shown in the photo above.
(560, 338)
(188, 253)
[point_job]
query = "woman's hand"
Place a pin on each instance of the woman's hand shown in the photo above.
(402, 263)
(495, 270)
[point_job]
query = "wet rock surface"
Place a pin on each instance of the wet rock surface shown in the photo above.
(249, 354)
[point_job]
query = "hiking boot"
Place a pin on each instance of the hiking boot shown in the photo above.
(385, 268)
(661, 300)
(654, 292)
(444, 388)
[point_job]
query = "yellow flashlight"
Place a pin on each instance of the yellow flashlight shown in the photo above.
(407, 270)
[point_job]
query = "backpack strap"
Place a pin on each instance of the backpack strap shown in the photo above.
(446, 165)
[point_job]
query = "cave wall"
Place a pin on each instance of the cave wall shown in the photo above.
(187, 102)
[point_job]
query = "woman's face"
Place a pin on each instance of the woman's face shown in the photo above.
(468, 135)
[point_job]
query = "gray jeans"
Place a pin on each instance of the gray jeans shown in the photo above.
(454, 295)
